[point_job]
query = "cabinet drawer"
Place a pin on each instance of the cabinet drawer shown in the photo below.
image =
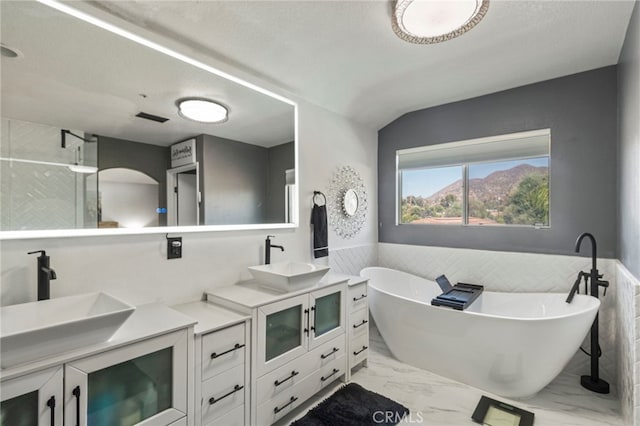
(281, 405)
(222, 393)
(357, 297)
(359, 349)
(358, 323)
(222, 350)
(234, 417)
(284, 378)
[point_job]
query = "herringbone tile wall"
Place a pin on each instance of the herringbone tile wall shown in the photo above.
(627, 332)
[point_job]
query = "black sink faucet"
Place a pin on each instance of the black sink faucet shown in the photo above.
(45, 275)
(267, 249)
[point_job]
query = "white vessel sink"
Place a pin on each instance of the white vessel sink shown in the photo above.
(35, 330)
(289, 276)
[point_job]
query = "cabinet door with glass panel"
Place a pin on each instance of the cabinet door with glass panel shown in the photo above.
(33, 399)
(144, 383)
(291, 327)
(326, 316)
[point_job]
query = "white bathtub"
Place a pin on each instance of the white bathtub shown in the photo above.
(511, 344)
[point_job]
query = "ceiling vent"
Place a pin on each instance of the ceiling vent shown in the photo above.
(152, 117)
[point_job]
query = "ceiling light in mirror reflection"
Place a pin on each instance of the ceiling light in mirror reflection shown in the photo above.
(203, 110)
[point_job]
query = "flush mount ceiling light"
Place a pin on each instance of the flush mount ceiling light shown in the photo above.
(435, 21)
(202, 110)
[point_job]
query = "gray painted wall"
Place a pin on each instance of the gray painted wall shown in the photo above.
(281, 158)
(629, 148)
(149, 159)
(580, 110)
(233, 181)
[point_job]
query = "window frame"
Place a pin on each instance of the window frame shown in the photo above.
(465, 177)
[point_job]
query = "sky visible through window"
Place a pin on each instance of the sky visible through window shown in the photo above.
(426, 182)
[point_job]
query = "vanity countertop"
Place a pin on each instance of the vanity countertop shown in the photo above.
(210, 317)
(253, 293)
(146, 321)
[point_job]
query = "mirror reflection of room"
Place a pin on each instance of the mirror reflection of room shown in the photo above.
(86, 141)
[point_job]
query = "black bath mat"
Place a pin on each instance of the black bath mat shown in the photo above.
(354, 405)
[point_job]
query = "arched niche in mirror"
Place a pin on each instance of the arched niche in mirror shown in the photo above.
(127, 199)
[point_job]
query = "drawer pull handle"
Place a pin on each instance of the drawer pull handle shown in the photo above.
(361, 324)
(355, 299)
(294, 373)
(364, 348)
(323, 356)
(51, 403)
(236, 388)
(234, 348)
(291, 401)
(324, 379)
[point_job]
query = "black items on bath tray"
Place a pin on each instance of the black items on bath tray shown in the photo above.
(459, 296)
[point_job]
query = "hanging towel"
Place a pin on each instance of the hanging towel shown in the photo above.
(320, 231)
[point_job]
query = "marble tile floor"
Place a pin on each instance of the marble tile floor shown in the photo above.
(435, 400)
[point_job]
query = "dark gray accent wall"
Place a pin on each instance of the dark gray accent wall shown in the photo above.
(629, 149)
(281, 158)
(152, 160)
(233, 181)
(580, 110)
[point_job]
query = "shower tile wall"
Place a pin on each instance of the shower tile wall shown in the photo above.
(353, 259)
(627, 327)
(38, 196)
(515, 272)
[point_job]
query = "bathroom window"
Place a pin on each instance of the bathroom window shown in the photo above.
(496, 181)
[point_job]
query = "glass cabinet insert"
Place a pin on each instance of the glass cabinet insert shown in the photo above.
(132, 391)
(283, 331)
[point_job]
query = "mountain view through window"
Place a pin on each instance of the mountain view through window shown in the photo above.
(513, 192)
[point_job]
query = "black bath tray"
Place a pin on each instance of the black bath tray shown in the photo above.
(459, 297)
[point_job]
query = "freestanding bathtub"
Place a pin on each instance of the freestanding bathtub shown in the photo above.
(510, 344)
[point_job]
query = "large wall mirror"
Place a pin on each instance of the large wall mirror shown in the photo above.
(93, 140)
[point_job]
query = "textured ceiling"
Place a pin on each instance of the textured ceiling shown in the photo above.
(75, 75)
(343, 55)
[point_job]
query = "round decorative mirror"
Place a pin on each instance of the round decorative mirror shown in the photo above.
(350, 202)
(347, 202)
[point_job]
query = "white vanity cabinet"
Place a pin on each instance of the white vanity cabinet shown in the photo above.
(358, 324)
(294, 326)
(140, 376)
(33, 399)
(221, 357)
(300, 342)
